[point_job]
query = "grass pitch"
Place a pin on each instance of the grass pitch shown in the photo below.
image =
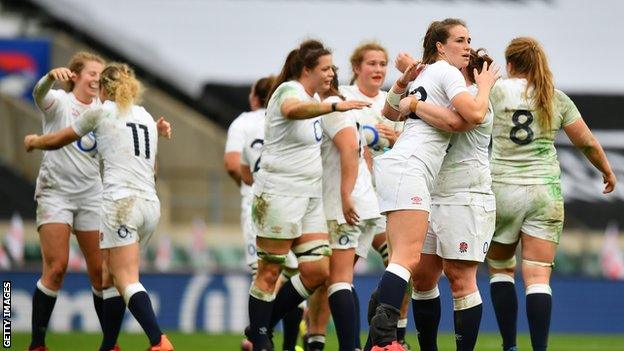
(217, 342)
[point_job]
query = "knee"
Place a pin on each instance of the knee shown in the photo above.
(461, 282)
(315, 275)
(423, 283)
(55, 272)
(267, 275)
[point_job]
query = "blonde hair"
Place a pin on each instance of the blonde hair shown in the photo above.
(121, 85)
(527, 57)
(357, 57)
(78, 62)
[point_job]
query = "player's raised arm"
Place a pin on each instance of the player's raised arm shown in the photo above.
(50, 141)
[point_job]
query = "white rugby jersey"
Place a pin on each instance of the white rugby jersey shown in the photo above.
(465, 172)
(370, 116)
(437, 84)
(127, 143)
(235, 143)
(363, 194)
(523, 150)
(291, 155)
(253, 139)
(74, 169)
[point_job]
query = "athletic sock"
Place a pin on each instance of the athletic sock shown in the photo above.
(391, 290)
(356, 304)
(98, 300)
(260, 308)
(426, 309)
(290, 295)
(290, 324)
(140, 306)
(316, 342)
(343, 311)
(114, 309)
(401, 328)
(42, 306)
(538, 308)
(467, 317)
(505, 303)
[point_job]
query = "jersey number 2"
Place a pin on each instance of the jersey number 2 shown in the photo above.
(135, 137)
(525, 126)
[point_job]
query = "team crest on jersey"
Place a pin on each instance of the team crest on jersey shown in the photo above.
(416, 200)
(463, 247)
(276, 229)
(123, 231)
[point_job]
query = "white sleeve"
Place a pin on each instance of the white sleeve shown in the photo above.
(244, 160)
(334, 122)
(87, 122)
(46, 99)
(453, 82)
(235, 136)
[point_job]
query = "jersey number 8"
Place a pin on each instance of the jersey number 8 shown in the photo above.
(518, 126)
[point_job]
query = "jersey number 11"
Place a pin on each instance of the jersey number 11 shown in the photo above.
(135, 137)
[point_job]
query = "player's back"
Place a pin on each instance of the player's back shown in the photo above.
(523, 150)
(127, 142)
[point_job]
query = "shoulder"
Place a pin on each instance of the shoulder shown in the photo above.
(349, 91)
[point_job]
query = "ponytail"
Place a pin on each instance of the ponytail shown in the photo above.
(120, 84)
(527, 57)
(306, 56)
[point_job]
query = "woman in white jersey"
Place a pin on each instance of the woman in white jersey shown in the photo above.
(405, 175)
(287, 208)
(127, 142)
(461, 222)
(68, 188)
(250, 131)
(369, 63)
(350, 207)
(528, 112)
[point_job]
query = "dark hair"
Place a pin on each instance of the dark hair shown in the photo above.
(477, 58)
(306, 56)
(333, 87)
(262, 87)
(438, 32)
(527, 57)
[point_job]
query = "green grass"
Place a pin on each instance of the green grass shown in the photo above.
(215, 342)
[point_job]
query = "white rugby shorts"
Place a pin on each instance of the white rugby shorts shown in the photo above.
(128, 220)
(81, 214)
(460, 232)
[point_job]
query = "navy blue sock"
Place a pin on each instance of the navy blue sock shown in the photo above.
(287, 299)
(427, 319)
(401, 333)
(98, 301)
(505, 302)
(259, 319)
(356, 304)
(343, 311)
(141, 308)
(538, 308)
(391, 289)
(290, 324)
(315, 342)
(42, 306)
(467, 327)
(114, 310)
